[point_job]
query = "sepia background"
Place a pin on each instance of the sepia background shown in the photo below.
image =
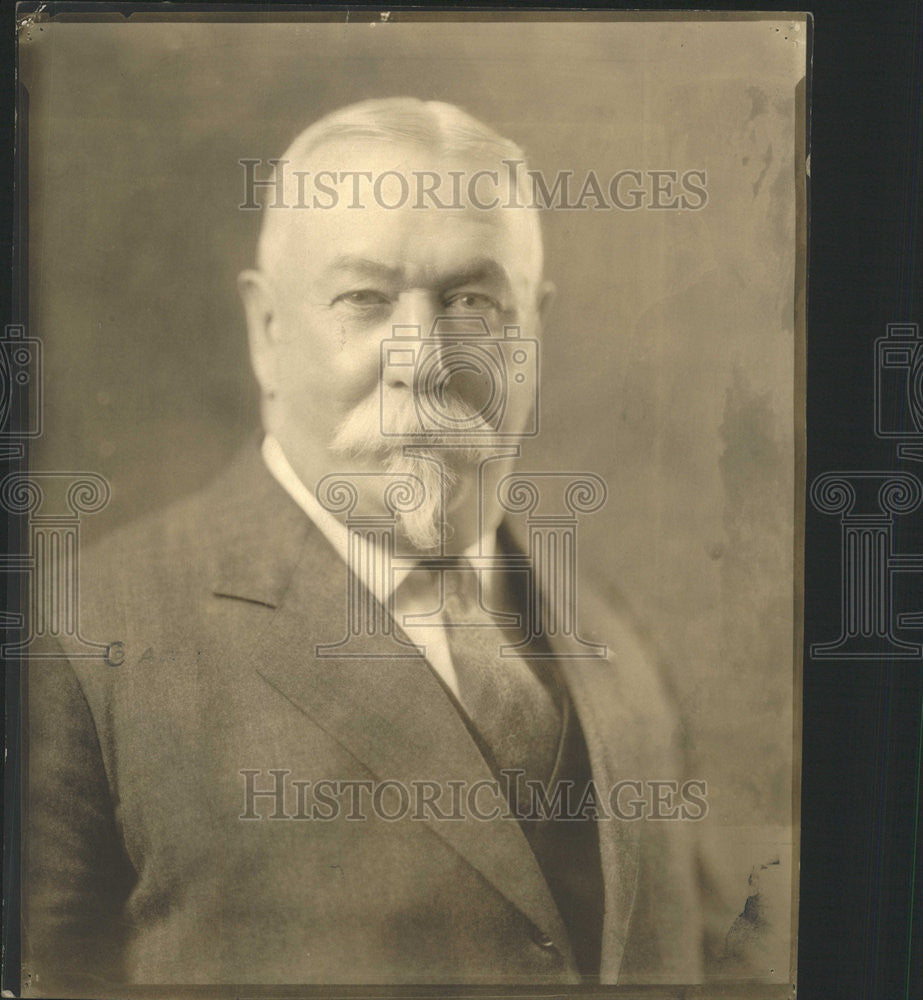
(669, 360)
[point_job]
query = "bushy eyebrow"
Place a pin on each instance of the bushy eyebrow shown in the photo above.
(364, 267)
(484, 270)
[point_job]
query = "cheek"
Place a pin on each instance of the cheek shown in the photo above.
(334, 374)
(354, 367)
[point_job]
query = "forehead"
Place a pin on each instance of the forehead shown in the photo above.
(397, 204)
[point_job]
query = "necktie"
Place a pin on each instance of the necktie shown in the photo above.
(512, 710)
(523, 729)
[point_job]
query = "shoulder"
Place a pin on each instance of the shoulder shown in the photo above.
(190, 526)
(151, 584)
(183, 527)
(181, 548)
(142, 563)
(152, 588)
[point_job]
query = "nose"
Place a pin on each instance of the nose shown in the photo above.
(416, 307)
(412, 320)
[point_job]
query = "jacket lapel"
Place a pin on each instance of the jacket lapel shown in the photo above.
(390, 713)
(600, 709)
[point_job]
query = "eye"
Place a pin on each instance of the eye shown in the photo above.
(363, 298)
(475, 302)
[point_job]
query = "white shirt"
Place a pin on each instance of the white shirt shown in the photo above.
(414, 593)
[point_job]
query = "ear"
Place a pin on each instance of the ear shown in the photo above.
(262, 326)
(544, 299)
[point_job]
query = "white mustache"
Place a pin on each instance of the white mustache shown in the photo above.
(360, 435)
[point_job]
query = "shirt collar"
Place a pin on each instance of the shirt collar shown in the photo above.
(337, 534)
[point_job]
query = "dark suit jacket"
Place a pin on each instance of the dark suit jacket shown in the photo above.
(138, 868)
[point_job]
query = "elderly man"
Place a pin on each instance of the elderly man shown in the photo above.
(188, 816)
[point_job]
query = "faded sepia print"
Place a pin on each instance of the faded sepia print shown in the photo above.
(410, 546)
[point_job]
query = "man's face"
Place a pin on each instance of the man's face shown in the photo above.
(343, 278)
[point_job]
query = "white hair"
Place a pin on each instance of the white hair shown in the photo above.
(435, 126)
